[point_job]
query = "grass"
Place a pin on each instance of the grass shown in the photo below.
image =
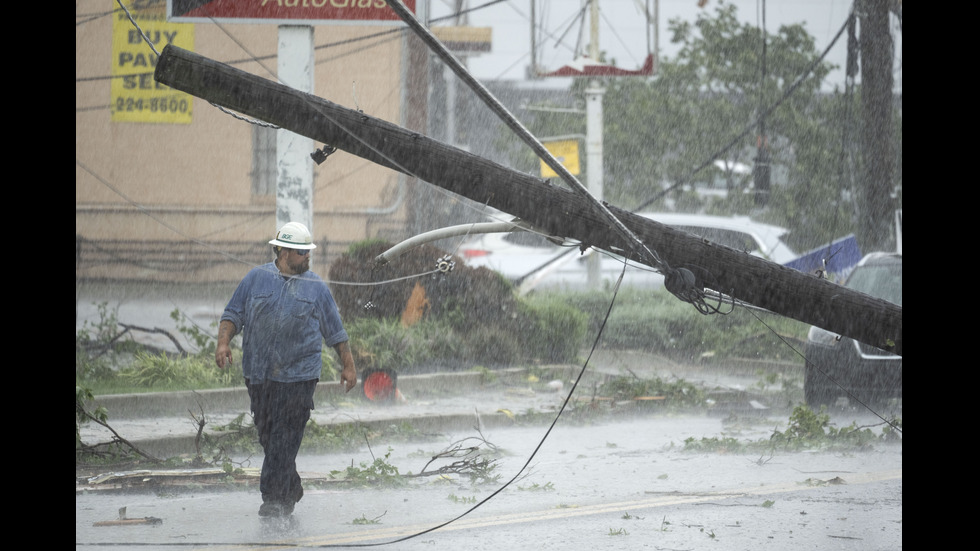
(119, 386)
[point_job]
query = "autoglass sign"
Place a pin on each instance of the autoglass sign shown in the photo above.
(285, 11)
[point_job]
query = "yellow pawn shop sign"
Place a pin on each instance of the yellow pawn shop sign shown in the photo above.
(566, 151)
(136, 95)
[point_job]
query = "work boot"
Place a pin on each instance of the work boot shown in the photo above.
(275, 509)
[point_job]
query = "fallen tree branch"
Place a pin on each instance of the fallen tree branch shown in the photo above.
(116, 438)
(157, 330)
(471, 464)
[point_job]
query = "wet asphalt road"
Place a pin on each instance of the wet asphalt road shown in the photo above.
(617, 486)
(622, 484)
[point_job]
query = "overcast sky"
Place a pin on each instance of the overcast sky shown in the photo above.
(623, 33)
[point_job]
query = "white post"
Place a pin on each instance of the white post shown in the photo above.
(593, 138)
(294, 180)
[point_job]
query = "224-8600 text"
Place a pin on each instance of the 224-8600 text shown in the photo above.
(153, 105)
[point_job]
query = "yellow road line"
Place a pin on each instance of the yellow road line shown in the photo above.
(379, 534)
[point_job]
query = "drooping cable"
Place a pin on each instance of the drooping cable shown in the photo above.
(527, 463)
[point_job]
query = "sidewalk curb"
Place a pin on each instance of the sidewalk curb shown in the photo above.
(173, 405)
(169, 404)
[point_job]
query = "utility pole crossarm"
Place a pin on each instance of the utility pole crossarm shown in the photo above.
(548, 208)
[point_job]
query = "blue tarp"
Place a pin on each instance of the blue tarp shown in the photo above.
(840, 256)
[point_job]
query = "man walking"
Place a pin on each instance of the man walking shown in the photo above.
(285, 313)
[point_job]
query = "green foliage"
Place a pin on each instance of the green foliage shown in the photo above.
(790, 386)
(161, 371)
(546, 329)
(806, 430)
(471, 316)
(475, 320)
(322, 438)
(703, 105)
(379, 473)
(205, 343)
(330, 370)
(99, 348)
(657, 322)
(556, 329)
(486, 375)
(678, 393)
(725, 444)
(809, 429)
(83, 396)
(386, 343)
(494, 345)
(535, 487)
(482, 470)
(238, 436)
(363, 520)
(663, 328)
(349, 437)
(367, 247)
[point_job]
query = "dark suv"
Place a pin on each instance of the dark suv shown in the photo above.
(836, 363)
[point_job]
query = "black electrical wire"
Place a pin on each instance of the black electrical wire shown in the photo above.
(571, 392)
(555, 165)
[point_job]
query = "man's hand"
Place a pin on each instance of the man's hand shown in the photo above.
(222, 356)
(222, 353)
(348, 377)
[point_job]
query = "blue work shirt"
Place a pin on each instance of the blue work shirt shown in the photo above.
(284, 322)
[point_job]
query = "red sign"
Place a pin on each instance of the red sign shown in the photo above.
(583, 67)
(283, 11)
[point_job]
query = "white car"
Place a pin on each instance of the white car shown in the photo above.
(530, 260)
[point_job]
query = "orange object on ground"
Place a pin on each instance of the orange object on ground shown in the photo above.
(380, 385)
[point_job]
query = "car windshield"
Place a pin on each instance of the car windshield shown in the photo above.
(882, 281)
(732, 239)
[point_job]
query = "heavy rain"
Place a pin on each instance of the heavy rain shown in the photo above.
(621, 275)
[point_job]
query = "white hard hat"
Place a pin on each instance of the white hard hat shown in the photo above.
(293, 235)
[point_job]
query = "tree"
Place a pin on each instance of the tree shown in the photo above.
(665, 131)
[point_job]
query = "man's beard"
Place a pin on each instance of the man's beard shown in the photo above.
(301, 266)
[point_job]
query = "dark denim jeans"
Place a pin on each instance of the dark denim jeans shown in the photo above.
(280, 412)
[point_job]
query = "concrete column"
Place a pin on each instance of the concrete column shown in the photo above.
(294, 181)
(593, 146)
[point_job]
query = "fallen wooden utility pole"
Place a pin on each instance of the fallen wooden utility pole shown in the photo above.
(551, 209)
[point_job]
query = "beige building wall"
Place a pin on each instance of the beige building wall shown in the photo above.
(174, 202)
